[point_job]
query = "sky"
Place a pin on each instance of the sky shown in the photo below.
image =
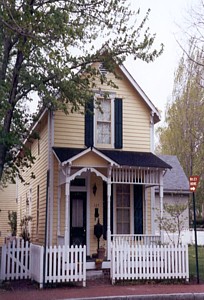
(167, 19)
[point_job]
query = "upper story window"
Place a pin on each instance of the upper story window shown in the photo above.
(104, 121)
(103, 126)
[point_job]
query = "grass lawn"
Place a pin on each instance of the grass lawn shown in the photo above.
(192, 262)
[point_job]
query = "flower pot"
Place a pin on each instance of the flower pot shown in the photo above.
(98, 263)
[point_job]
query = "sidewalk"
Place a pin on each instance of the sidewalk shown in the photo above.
(102, 289)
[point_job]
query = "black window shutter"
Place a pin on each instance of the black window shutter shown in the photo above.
(118, 123)
(138, 209)
(89, 126)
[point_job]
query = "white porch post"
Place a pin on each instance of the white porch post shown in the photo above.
(59, 210)
(67, 208)
(161, 195)
(109, 215)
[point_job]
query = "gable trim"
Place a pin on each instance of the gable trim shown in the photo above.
(69, 161)
(157, 118)
(112, 162)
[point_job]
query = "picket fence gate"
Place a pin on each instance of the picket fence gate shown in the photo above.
(129, 262)
(62, 264)
(15, 260)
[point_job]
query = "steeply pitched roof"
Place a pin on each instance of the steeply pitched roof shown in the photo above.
(175, 180)
(156, 114)
(122, 158)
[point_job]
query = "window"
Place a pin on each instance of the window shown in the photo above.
(104, 122)
(104, 128)
(123, 209)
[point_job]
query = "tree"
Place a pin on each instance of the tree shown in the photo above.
(182, 134)
(46, 46)
(195, 31)
(173, 221)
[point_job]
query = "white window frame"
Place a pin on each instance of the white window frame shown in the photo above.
(131, 210)
(97, 97)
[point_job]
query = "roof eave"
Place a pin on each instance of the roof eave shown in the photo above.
(157, 116)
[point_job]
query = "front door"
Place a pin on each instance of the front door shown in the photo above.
(78, 218)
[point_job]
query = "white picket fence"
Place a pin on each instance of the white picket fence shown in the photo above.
(129, 262)
(15, 260)
(62, 264)
(66, 264)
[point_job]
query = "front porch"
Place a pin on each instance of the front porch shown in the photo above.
(114, 187)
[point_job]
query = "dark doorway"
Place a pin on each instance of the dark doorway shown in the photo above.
(78, 218)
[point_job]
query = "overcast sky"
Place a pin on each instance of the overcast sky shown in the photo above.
(167, 19)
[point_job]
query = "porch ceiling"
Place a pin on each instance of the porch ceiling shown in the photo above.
(122, 158)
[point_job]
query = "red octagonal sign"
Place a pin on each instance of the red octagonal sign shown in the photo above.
(193, 181)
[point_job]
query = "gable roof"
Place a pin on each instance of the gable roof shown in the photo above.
(156, 114)
(121, 158)
(155, 111)
(175, 180)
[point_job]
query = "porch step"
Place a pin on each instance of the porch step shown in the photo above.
(94, 274)
(98, 277)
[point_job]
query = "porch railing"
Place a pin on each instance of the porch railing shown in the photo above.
(136, 239)
(129, 262)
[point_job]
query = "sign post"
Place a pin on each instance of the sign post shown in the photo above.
(193, 181)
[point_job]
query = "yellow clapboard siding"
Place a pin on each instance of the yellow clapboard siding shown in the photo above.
(39, 169)
(69, 129)
(7, 203)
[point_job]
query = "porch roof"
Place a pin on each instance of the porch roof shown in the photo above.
(122, 158)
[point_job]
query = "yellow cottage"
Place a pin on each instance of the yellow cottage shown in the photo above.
(96, 168)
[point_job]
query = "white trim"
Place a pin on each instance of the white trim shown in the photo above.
(111, 97)
(79, 172)
(88, 217)
(69, 161)
(145, 211)
(59, 192)
(153, 210)
(140, 91)
(51, 168)
(82, 153)
(131, 209)
(112, 162)
(35, 125)
(56, 156)
(152, 132)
